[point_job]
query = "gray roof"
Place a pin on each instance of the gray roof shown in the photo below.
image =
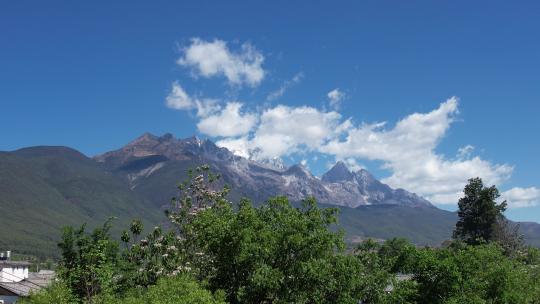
(35, 282)
(10, 263)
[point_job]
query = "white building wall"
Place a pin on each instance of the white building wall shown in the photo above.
(13, 274)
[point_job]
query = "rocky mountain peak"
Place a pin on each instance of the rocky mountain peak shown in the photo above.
(275, 163)
(298, 170)
(166, 137)
(364, 175)
(338, 173)
(144, 139)
(193, 140)
(150, 154)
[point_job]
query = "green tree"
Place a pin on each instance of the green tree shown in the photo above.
(88, 261)
(170, 290)
(376, 274)
(173, 251)
(276, 253)
(478, 213)
(473, 274)
(399, 255)
(58, 293)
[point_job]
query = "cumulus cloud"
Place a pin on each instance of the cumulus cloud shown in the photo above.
(207, 107)
(227, 122)
(407, 149)
(522, 197)
(239, 145)
(284, 130)
(408, 152)
(335, 97)
(353, 164)
(465, 152)
(214, 58)
(178, 99)
(285, 86)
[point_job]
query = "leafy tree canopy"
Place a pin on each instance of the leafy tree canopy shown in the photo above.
(478, 213)
(212, 251)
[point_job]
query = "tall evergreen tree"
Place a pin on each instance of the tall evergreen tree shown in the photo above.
(478, 213)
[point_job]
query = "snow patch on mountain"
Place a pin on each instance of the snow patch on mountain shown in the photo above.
(256, 177)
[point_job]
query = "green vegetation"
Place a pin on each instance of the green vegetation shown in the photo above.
(422, 226)
(214, 252)
(58, 292)
(45, 188)
(181, 289)
(474, 274)
(478, 213)
(88, 261)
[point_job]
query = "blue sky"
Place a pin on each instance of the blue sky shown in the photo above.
(93, 76)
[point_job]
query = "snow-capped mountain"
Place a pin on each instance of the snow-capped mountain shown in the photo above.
(149, 157)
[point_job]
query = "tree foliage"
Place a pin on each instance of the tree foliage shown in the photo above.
(276, 253)
(180, 289)
(213, 251)
(473, 274)
(59, 293)
(88, 261)
(478, 213)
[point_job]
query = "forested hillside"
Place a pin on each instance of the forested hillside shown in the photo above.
(45, 188)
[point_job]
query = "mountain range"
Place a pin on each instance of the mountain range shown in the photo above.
(142, 160)
(45, 188)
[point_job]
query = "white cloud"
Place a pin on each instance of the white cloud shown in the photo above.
(335, 97)
(353, 164)
(214, 58)
(408, 152)
(229, 121)
(178, 99)
(207, 107)
(284, 130)
(407, 149)
(284, 87)
(522, 197)
(465, 152)
(239, 146)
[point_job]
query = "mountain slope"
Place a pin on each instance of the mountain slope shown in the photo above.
(45, 188)
(141, 161)
(154, 165)
(422, 226)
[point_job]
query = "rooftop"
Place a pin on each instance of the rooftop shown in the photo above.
(35, 282)
(11, 263)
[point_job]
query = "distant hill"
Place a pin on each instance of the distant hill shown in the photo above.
(422, 226)
(45, 188)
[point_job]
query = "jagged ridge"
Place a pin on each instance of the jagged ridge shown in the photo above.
(255, 179)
